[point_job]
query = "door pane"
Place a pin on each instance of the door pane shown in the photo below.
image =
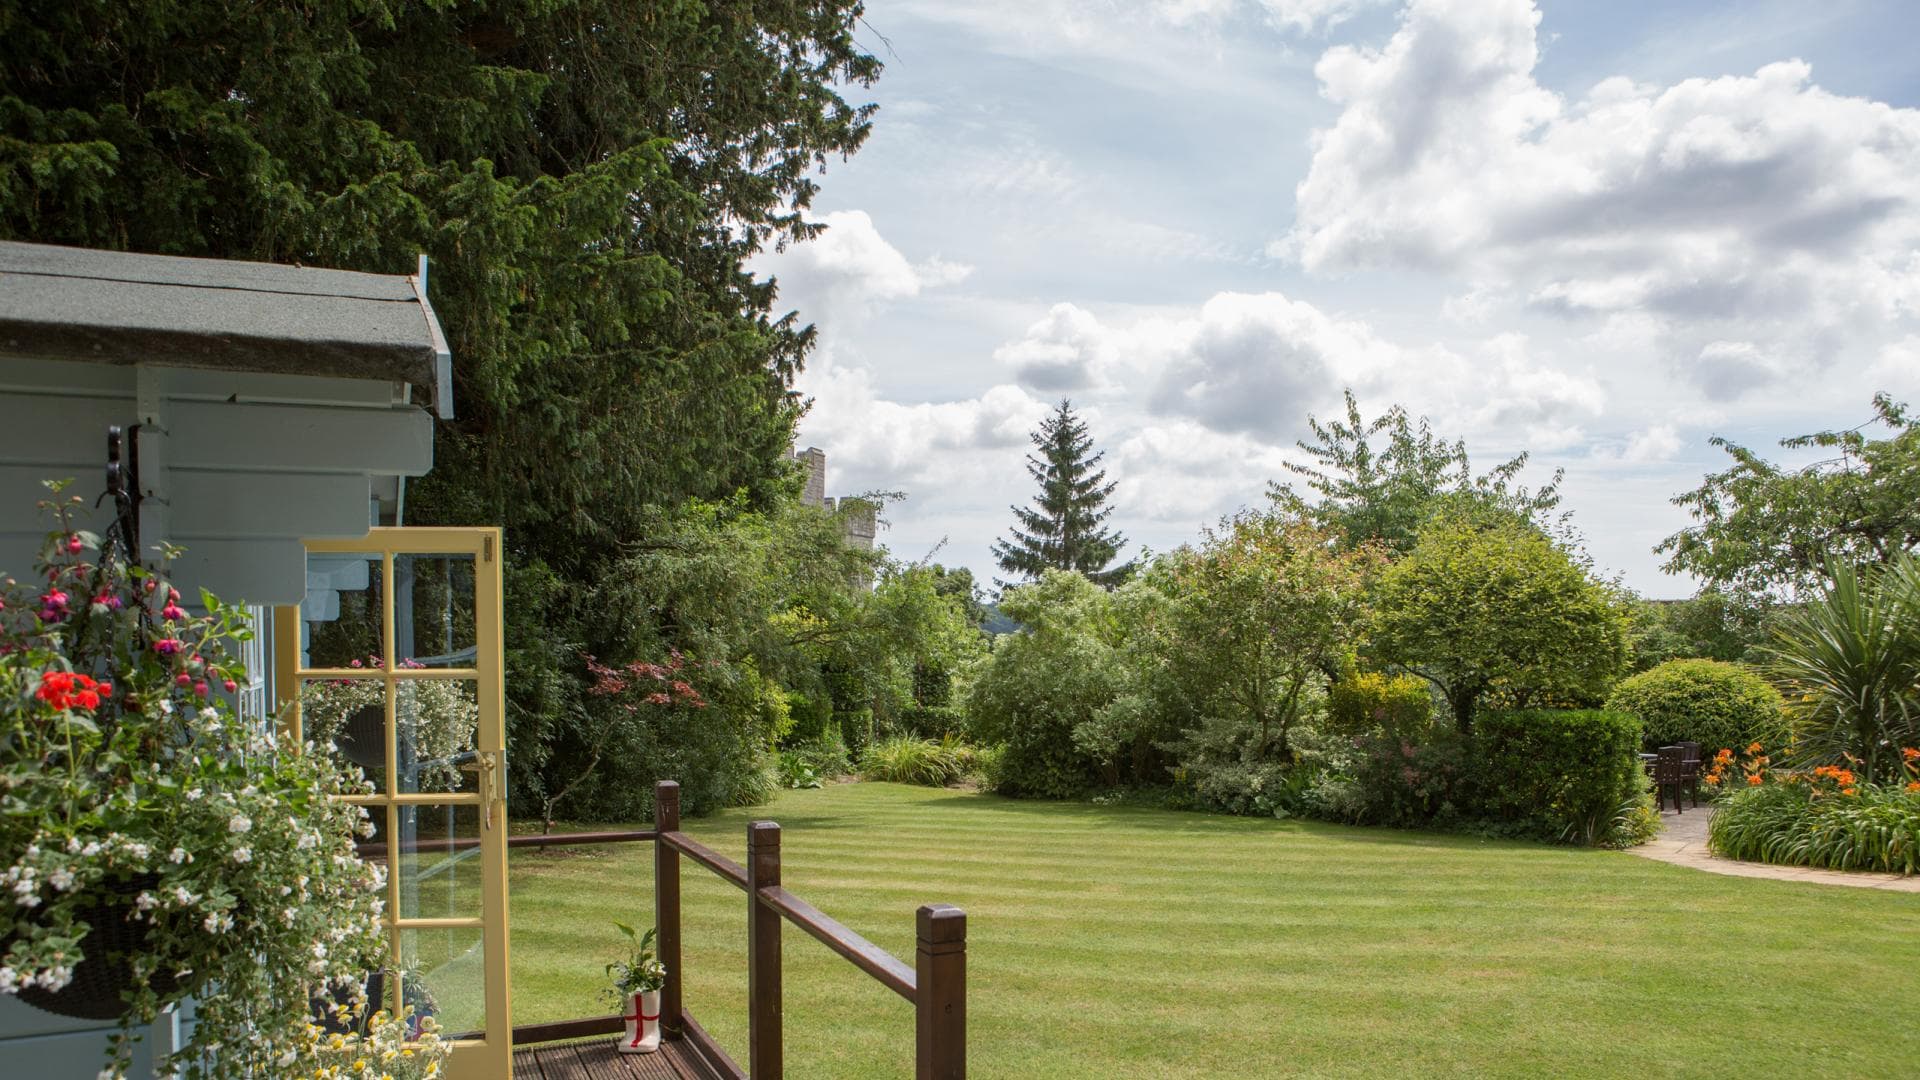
(438, 721)
(347, 718)
(433, 621)
(439, 862)
(443, 975)
(341, 610)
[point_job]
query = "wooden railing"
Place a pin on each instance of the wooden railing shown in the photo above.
(936, 984)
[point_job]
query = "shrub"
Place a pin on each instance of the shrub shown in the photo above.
(1718, 705)
(932, 721)
(794, 771)
(1260, 788)
(1568, 775)
(1417, 785)
(1799, 823)
(1370, 703)
(903, 759)
(856, 729)
(826, 754)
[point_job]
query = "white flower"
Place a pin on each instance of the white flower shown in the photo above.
(217, 922)
(209, 714)
(9, 981)
(146, 901)
(182, 896)
(61, 879)
(194, 794)
(243, 855)
(166, 707)
(179, 855)
(92, 849)
(239, 823)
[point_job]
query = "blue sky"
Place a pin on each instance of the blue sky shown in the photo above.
(1600, 232)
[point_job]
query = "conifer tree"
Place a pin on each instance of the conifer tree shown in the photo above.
(1062, 530)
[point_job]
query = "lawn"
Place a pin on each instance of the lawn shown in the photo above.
(1118, 942)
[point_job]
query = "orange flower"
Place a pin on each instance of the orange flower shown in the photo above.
(1914, 787)
(1910, 754)
(1723, 755)
(1754, 780)
(1713, 780)
(1849, 791)
(1754, 749)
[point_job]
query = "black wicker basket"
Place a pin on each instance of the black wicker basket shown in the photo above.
(102, 979)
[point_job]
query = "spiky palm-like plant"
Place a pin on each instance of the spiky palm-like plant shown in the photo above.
(1849, 665)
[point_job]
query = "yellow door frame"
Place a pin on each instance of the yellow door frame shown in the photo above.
(491, 1056)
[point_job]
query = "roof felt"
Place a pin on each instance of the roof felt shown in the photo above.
(61, 303)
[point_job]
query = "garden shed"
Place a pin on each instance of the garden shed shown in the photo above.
(256, 406)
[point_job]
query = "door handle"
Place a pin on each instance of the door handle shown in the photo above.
(489, 762)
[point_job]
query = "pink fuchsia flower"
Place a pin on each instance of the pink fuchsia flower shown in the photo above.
(231, 686)
(172, 611)
(74, 544)
(183, 679)
(200, 689)
(54, 598)
(167, 647)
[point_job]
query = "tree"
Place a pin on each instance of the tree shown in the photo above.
(1063, 530)
(1765, 533)
(1493, 605)
(1045, 683)
(1257, 617)
(589, 178)
(1387, 493)
(1848, 663)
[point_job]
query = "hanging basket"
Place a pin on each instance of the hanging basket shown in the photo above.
(102, 979)
(363, 737)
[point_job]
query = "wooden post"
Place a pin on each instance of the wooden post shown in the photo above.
(940, 995)
(764, 1052)
(666, 904)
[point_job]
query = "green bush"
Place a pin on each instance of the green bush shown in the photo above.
(1433, 784)
(810, 716)
(1571, 775)
(1796, 824)
(1260, 789)
(856, 729)
(826, 755)
(1371, 703)
(794, 771)
(932, 721)
(903, 759)
(1716, 704)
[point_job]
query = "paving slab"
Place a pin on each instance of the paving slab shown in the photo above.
(1683, 842)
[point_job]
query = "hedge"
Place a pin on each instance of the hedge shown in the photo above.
(1572, 775)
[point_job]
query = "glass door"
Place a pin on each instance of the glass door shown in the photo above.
(393, 663)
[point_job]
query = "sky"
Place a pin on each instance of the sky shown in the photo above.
(1601, 232)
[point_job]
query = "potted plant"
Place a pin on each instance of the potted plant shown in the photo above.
(153, 844)
(636, 988)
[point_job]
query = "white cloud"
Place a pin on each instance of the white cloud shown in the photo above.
(1759, 209)
(1647, 446)
(849, 268)
(1066, 351)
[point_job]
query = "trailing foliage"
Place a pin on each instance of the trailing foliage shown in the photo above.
(1063, 530)
(1486, 603)
(904, 759)
(1705, 701)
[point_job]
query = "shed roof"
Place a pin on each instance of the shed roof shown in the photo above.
(111, 307)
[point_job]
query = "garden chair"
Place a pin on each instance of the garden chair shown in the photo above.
(1671, 774)
(1693, 763)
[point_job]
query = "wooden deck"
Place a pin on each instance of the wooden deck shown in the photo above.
(598, 1060)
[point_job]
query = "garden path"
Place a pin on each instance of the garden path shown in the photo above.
(1683, 842)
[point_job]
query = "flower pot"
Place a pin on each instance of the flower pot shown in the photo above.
(104, 976)
(643, 1023)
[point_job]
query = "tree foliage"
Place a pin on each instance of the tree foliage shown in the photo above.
(1257, 619)
(1369, 492)
(1716, 704)
(1063, 530)
(1764, 532)
(588, 177)
(1493, 605)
